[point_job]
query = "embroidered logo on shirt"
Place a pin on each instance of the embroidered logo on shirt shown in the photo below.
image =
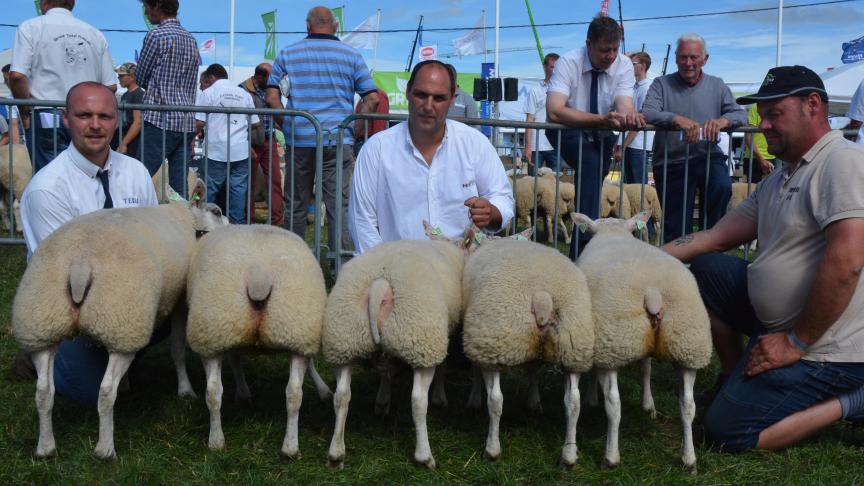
(129, 201)
(792, 191)
(467, 184)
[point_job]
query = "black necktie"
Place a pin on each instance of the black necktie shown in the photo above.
(593, 101)
(103, 176)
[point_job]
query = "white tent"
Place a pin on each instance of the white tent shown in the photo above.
(841, 84)
(5, 58)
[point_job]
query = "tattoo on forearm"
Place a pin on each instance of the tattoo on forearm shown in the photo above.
(684, 240)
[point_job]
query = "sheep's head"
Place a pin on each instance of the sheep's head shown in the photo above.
(472, 238)
(624, 226)
(207, 216)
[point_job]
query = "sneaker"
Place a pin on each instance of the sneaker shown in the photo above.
(706, 397)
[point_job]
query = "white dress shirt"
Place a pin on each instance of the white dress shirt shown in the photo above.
(57, 51)
(572, 77)
(535, 104)
(640, 92)
(394, 189)
(224, 94)
(69, 187)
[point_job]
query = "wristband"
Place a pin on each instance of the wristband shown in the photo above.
(797, 342)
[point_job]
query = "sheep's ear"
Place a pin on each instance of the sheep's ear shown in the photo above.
(433, 232)
(198, 195)
(638, 222)
(584, 222)
(525, 234)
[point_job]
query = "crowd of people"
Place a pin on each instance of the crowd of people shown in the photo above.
(799, 301)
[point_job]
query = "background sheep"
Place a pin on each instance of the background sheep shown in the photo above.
(22, 172)
(160, 183)
(740, 192)
(402, 299)
(546, 203)
(254, 286)
(648, 201)
(645, 304)
(612, 204)
(113, 275)
(525, 302)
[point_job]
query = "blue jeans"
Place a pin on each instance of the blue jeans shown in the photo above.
(596, 159)
(238, 185)
(745, 406)
(713, 200)
(634, 166)
(178, 151)
(545, 158)
(43, 146)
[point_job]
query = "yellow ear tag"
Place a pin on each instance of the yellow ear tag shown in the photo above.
(479, 237)
(519, 237)
(640, 225)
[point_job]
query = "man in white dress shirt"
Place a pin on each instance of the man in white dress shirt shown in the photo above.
(429, 168)
(85, 177)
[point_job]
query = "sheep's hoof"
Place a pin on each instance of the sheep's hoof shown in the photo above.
(336, 463)
(652, 412)
(187, 394)
(293, 455)
(105, 452)
(566, 464)
(492, 456)
(427, 463)
(382, 409)
(46, 452)
(568, 457)
(216, 443)
(607, 464)
(691, 468)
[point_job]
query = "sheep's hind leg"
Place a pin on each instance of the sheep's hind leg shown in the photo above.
(647, 396)
(324, 391)
(495, 404)
(213, 369)
(570, 452)
(688, 411)
(341, 399)
(178, 354)
(293, 400)
(43, 361)
(609, 382)
(419, 406)
(118, 364)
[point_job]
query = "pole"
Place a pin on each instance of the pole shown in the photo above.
(534, 29)
(377, 36)
(497, 36)
(231, 44)
(483, 15)
(413, 46)
(666, 59)
(779, 29)
(621, 21)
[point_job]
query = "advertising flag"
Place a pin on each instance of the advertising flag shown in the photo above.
(339, 15)
(429, 52)
(269, 20)
(208, 46)
(365, 35)
(38, 6)
(604, 8)
(472, 42)
(853, 51)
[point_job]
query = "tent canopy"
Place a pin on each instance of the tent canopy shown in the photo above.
(841, 84)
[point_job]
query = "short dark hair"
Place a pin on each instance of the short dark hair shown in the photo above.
(217, 71)
(604, 29)
(67, 4)
(167, 7)
(451, 72)
(642, 57)
(6, 68)
(551, 56)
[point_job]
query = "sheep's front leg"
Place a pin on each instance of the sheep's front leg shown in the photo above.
(550, 230)
(570, 452)
(495, 404)
(213, 369)
(563, 226)
(118, 363)
(609, 382)
(324, 391)
(476, 395)
(439, 394)
(534, 403)
(241, 387)
(178, 354)
(647, 396)
(293, 400)
(688, 411)
(419, 406)
(43, 361)
(336, 455)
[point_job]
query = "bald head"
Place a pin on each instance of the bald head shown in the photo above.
(91, 118)
(320, 20)
(88, 89)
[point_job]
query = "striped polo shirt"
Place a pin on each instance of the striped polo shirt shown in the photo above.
(324, 75)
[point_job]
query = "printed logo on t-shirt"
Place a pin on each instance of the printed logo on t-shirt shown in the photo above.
(467, 184)
(131, 201)
(792, 191)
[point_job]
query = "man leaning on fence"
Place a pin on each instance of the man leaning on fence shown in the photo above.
(591, 89)
(323, 74)
(801, 300)
(167, 70)
(695, 106)
(52, 53)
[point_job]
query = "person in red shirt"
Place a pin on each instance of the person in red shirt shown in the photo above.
(375, 126)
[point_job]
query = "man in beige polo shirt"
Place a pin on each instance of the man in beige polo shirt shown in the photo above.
(801, 300)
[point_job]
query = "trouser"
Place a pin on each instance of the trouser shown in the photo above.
(261, 154)
(715, 188)
(177, 150)
(49, 141)
(591, 161)
(745, 405)
(635, 170)
(545, 158)
(302, 186)
(236, 186)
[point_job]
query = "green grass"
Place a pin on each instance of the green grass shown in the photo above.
(163, 439)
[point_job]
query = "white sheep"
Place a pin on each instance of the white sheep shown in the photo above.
(401, 299)
(525, 302)
(14, 182)
(254, 286)
(612, 204)
(160, 182)
(545, 202)
(645, 200)
(113, 275)
(645, 304)
(740, 192)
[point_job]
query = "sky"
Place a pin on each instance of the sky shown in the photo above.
(742, 47)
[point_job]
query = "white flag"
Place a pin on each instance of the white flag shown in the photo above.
(472, 42)
(429, 52)
(208, 46)
(365, 35)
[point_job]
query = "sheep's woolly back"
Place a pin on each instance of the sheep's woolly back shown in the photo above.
(620, 270)
(256, 285)
(425, 277)
(132, 263)
(22, 170)
(499, 329)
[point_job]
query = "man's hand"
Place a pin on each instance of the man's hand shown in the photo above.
(772, 351)
(483, 213)
(711, 129)
(689, 127)
(616, 153)
(122, 148)
(765, 165)
(623, 121)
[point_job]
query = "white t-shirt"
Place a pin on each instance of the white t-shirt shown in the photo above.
(572, 77)
(856, 110)
(394, 190)
(224, 94)
(535, 104)
(57, 51)
(639, 93)
(68, 187)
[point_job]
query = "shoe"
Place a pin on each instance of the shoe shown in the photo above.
(23, 368)
(706, 397)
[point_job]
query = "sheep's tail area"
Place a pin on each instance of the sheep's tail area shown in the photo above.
(655, 309)
(380, 304)
(259, 286)
(80, 279)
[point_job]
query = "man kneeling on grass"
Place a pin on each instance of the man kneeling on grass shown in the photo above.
(801, 300)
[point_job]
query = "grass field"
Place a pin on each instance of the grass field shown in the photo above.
(163, 439)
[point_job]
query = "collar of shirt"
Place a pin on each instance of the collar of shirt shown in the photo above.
(84, 165)
(820, 145)
(322, 36)
(168, 22)
(59, 11)
(409, 142)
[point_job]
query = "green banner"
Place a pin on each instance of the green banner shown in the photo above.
(394, 83)
(146, 20)
(339, 15)
(38, 4)
(269, 19)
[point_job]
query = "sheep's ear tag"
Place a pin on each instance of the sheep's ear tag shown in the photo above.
(176, 197)
(519, 237)
(582, 227)
(640, 225)
(436, 231)
(479, 237)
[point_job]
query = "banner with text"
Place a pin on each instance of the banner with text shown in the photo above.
(269, 20)
(395, 83)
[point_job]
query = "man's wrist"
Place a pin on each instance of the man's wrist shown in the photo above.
(793, 338)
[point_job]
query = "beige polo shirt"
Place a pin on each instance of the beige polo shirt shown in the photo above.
(792, 210)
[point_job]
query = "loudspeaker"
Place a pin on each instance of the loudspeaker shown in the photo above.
(511, 89)
(481, 90)
(495, 91)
